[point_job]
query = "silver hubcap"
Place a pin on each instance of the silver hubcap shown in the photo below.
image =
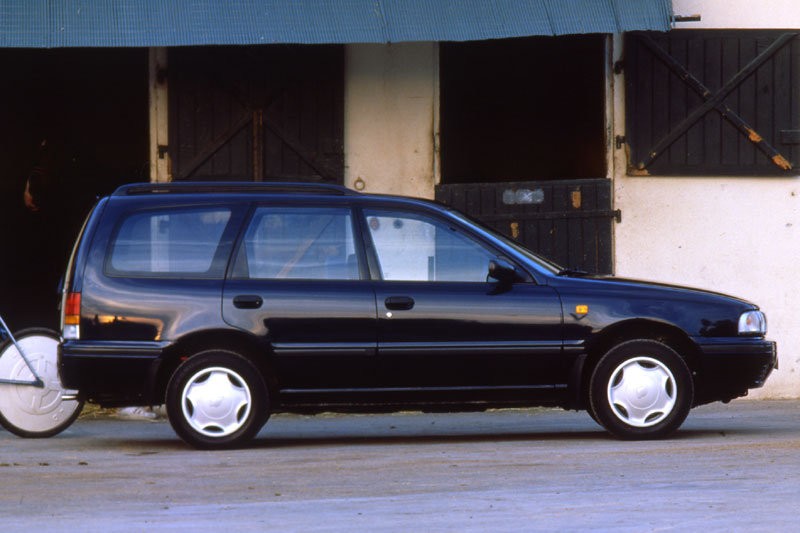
(216, 401)
(642, 392)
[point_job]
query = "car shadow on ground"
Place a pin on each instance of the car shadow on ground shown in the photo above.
(157, 445)
(267, 442)
(411, 439)
(142, 437)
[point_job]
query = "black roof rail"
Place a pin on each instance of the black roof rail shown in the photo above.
(188, 187)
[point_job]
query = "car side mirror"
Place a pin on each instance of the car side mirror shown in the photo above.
(503, 271)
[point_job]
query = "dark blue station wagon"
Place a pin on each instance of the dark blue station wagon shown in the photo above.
(231, 301)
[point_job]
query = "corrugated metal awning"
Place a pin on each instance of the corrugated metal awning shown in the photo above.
(140, 23)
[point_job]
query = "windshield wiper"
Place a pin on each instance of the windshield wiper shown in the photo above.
(572, 272)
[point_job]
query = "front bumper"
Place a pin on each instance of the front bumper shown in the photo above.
(728, 368)
(111, 373)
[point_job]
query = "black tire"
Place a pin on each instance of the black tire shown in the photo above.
(216, 400)
(641, 389)
(590, 411)
(26, 410)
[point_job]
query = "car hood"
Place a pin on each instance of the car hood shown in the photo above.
(650, 288)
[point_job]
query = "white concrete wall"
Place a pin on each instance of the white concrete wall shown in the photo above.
(740, 14)
(731, 234)
(391, 117)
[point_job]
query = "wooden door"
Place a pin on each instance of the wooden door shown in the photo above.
(567, 221)
(261, 113)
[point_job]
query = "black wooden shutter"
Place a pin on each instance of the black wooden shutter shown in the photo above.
(713, 102)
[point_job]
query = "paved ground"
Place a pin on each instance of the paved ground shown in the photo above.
(730, 468)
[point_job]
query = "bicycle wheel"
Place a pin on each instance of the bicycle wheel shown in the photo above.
(30, 411)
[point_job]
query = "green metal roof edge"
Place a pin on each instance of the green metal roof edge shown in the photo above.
(145, 23)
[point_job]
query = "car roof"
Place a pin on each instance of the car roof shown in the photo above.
(245, 189)
(212, 187)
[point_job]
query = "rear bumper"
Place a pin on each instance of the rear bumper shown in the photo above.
(728, 368)
(111, 373)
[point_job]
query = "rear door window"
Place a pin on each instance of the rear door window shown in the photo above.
(298, 243)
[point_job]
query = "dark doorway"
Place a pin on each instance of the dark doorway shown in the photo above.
(523, 109)
(523, 143)
(75, 127)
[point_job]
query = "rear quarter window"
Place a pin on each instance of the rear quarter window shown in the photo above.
(171, 243)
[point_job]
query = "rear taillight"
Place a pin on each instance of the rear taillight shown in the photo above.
(72, 316)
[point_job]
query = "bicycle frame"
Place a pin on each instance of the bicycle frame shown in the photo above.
(37, 381)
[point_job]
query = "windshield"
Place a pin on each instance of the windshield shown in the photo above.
(546, 264)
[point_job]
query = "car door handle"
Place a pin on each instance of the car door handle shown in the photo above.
(247, 301)
(399, 303)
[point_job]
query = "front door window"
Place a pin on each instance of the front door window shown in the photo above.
(416, 248)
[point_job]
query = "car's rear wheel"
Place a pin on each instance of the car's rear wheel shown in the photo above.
(217, 399)
(28, 410)
(641, 389)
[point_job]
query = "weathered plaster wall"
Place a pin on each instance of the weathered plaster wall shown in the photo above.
(159, 115)
(391, 95)
(740, 237)
(741, 14)
(731, 234)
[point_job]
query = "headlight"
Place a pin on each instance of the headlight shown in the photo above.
(753, 323)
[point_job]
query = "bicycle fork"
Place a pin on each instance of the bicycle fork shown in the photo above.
(37, 381)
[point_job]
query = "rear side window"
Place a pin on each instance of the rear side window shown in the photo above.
(169, 243)
(298, 243)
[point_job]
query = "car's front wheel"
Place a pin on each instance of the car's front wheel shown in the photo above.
(217, 399)
(641, 389)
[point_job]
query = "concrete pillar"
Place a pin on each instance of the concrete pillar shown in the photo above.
(160, 168)
(391, 118)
